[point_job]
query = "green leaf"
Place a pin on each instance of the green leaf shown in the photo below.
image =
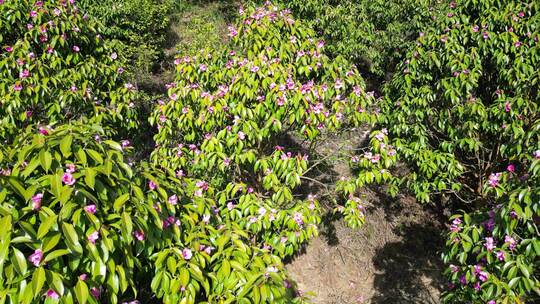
(72, 240)
(120, 201)
(38, 280)
(81, 292)
(65, 145)
(45, 159)
(46, 226)
(19, 261)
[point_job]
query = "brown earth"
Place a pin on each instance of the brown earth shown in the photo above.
(393, 258)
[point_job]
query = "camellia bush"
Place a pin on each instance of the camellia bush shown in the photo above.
(375, 34)
(219, 134)
(463, 116)
(72, 228)
(138, 26)
(55, 67)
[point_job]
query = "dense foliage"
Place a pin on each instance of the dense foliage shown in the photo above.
(373, 34)
(463, 115)
(220, 130)
(139, 28)
(224, 198)
(68, 218)
(55, 67)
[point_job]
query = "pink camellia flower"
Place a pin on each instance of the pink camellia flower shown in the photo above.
(90, 209)
(70, 168)
(93, 237)
(241, 135)
(139, 235)
(511, 168)
(76, 49)
(36, 201)
(36, 257)
(493, 179)
(173, 199)
(507, 107)
(187, 254)
(152, 185)
(95, 292)
(52, 294)
(232, 31)
(68, 179)
(489, 244)
(24, 74)
(510, 241)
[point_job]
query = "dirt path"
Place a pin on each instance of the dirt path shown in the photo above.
(392, 259)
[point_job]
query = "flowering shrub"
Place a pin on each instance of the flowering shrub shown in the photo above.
(71, 227)
(463, 115)
(374, 34)
(55, 67)
(218, 134)
(493, 255)
(140, 27)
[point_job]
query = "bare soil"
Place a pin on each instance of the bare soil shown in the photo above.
(393, 258)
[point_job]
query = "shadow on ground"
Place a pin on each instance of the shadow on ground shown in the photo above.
(394, 258)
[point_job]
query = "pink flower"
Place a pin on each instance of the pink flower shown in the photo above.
(241, 135)
(36, 201)
(139, 235)
(511, 168)
(17, 87)
(93, 237)
(52, 294)
(36, 257)
(536, 154)
(493, 179)
(507, 107)
(76, 49)
(70, 168)
(83, 277)
(90, 209)
(173, 200)
(500, 255)
(517, 44)
(232, 31)
(68, 179)
(489, 244)
(24, 74)
(152, 185)
(95, 292)
(187, 254)
(510, 241)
